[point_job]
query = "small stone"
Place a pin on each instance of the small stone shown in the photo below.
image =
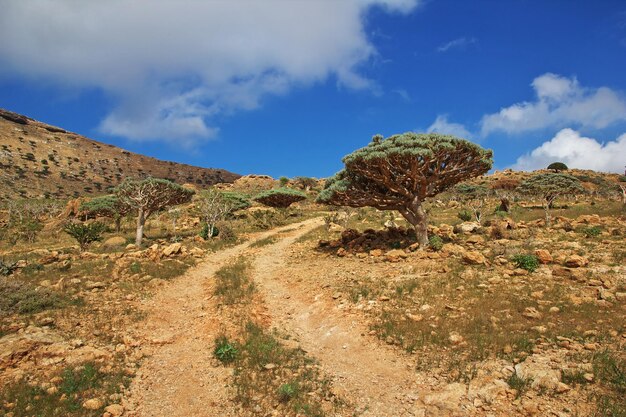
(269, 366)
(92, 404)
(474, 258)
(589, 377)
(543, 256)
(456, 339)
(531, 313)
(562, 387)
(576, 261)
(554, 310)
(116, 410)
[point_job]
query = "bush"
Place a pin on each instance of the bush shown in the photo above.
(435, 243)
(7, 268)
(204, 232)
(287, 391)
(592, 231)
(225, 351)
(226, 232)
(465, 215)
(85, 233)
(527, 262)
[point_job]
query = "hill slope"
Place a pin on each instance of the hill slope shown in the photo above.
(38, 160)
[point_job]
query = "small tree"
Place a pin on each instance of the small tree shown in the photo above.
(237, 200)
(148, 196)
(107, 206)
(399, 172)
(305, 183)
(214, 206)
(474, 196)
(558, 167)
(504, 189)
(85, 233)
(280, 197)
(549, 187)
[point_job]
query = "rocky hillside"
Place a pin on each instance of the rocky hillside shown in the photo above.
(39, 160)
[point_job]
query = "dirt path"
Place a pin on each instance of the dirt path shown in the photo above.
(178, 376)
(372, 376)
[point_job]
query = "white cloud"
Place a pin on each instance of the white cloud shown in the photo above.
(576, 151)
(172, 65)
(456, 43)
(560, 102)
(442, 125)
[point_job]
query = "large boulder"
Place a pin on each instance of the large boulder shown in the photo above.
(467, 227)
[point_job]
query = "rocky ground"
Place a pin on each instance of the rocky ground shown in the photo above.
(324, 321)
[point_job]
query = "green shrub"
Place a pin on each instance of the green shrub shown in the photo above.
(287, 391)
(85, 233)
(135, 268)
(622, 178)
(527, 262)
(592, 231)
(465, 215)
(7, 268)
(204, 232)
(435, 243)
(236, 200)
(520, 385)
(225, 351)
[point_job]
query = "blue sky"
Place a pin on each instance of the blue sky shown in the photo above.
(288, 87)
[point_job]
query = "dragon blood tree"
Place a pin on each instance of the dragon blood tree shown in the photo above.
(548, 187)
(148, 196)
(399, 172)
(280, 197)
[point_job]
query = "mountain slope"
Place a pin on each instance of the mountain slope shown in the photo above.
(38, 160)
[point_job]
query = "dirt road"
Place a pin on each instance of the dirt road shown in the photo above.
(179, 377)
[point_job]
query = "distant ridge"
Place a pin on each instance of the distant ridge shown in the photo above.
(40, 160)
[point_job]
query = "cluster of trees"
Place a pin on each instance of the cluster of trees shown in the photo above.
(394, 173)
(399, 172)
(144, 197)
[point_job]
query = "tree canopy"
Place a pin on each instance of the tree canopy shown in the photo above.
(399, 172)
(558, 166)
(106, 206)
(280, 197)
(150, 195)
(549, 187)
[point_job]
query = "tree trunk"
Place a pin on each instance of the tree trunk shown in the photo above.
(546, 208)
(504, 205)
(118, 224)
(141, 221)
(418, 218)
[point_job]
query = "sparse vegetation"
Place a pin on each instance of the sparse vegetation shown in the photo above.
(528, 262)
(85, 233)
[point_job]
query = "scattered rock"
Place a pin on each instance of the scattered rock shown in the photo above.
(116, 410)
(543, 256)
(172, 249)
(474, 258)
(467, 227)
(576, 261)
(540, 371)
(531, 313)
(93, 404)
